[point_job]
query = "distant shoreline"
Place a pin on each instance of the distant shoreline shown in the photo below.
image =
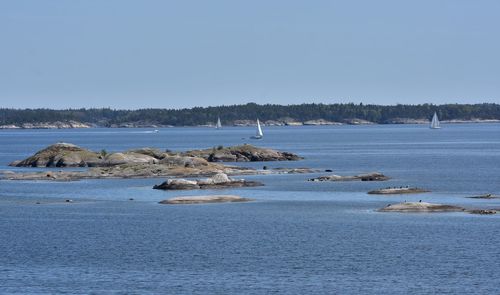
(320, 122)
(247, 114)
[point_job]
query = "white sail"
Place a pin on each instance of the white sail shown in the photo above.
(435, 122)
(259, 130)
(218, 125)
(258, 134)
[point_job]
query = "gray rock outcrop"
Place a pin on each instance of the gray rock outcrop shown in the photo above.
(374, 176)
(412, 207)
(397, 191)
(485, 196)
(61, 155)
(204, 199)
(218, 181)
(242, 153)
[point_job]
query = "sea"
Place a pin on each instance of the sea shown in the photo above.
(296, 237)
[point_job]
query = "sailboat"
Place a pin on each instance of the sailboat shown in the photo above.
(258, 134)
(435, 122)
(218, 125)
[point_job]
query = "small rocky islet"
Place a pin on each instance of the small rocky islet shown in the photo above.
(485, 197)
(204, 199)
(425, 207)
(420, 207)
(373, 176)
(398, 191)
(218, 181)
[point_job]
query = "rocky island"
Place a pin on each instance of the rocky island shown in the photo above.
(374, 176)
(136, 163)
(218, 181)
(398, 191)
(204, 199)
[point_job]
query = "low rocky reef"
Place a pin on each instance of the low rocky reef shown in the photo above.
(420, 207)
(242, 153)
(398, 191)
(218, 181)
(282, 170)
(485, 196)
(131, 171)
(374, 176)
(483, 211)
(70, 155)
(204, 199)
(424, 207)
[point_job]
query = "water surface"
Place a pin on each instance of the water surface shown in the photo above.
(297, 237)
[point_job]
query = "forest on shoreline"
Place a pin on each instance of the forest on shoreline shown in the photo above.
(343, 113)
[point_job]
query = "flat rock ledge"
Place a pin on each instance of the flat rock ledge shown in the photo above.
(398, 191)
(218, 181)
(374, 176)
(485, 196)
(204, 199)
(282, 170)
(412, 207)
(482, 211)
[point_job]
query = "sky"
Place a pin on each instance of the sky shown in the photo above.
(172, 54)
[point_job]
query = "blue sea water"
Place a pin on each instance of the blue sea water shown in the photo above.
(297, 237)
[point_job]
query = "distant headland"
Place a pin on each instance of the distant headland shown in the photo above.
(246, 114)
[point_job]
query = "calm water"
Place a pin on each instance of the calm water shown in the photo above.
(298, 237)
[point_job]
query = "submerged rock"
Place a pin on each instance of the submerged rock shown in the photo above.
(220, 180)
(398, 191)
(374, 176)
(204, 199)
(409, 207)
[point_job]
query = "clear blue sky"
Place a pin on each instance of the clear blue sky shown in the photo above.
(171, 54)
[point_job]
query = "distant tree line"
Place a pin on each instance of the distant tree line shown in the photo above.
(202, 115)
